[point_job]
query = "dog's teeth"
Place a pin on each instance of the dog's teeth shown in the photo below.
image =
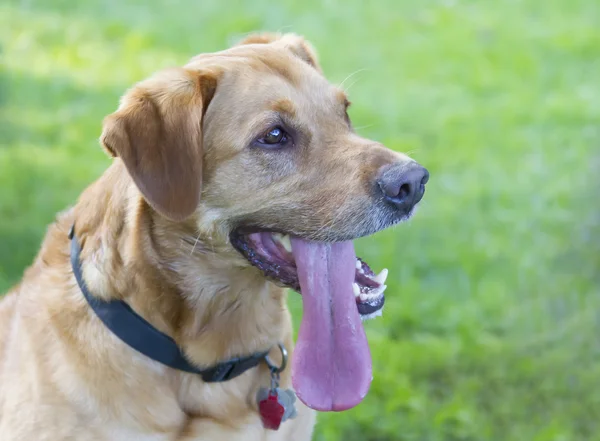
(285, 241)
(381, 277)
(358, 265)
(356, 289)
(373, 294)
(379, 291)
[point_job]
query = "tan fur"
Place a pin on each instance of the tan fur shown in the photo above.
(154, 231)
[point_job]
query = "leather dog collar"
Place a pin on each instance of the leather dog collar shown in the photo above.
(136, 332)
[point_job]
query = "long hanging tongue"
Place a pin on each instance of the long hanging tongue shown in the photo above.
(331, 368)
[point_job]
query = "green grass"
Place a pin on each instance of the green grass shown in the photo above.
(492, 323)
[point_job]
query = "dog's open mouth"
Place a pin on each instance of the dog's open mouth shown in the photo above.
(272, 253)
(331, 367)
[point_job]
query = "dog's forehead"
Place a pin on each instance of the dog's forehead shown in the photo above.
(263, 73)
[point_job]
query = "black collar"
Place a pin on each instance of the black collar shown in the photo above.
(145, 338)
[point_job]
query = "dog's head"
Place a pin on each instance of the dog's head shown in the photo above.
(254, 145)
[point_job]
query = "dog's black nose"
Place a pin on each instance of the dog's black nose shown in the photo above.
(403, 184)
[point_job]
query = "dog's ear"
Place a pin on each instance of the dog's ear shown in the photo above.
(157, 133)
(292, 42)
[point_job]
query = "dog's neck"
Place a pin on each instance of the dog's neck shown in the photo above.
(199, 292)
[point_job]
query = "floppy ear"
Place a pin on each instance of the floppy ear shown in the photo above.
(157, 133)
(292, 42)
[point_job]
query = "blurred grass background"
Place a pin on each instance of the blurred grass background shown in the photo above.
(492, 322)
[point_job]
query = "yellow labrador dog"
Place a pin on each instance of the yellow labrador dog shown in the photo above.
(156, 307)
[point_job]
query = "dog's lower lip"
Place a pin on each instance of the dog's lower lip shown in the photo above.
(271, 252)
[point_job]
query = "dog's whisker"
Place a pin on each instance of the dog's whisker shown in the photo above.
(367, 126)
(347, 89)
(341, 85)
(410, 152)
(195, 244)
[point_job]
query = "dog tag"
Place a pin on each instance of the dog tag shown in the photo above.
(285, 397)
(271, 411)
(274, 404)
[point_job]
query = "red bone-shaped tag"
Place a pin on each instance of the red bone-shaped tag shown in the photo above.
(271, 411)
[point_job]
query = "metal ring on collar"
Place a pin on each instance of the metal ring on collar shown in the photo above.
(284, 357)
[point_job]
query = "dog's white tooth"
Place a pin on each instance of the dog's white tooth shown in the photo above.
(356, 289)
(364, 297)
(380, 290)
(358, 265)
(381, 277)
(376, 292)
(287, 244)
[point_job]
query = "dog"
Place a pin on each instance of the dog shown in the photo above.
(234, 177)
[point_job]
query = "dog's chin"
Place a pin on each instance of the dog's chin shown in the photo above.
(272, 253)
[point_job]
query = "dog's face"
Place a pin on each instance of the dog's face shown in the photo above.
(256, 144)
(281, 153)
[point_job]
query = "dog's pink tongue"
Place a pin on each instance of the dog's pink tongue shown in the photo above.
(331, 368)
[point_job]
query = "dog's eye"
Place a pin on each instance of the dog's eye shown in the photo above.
(274, 137)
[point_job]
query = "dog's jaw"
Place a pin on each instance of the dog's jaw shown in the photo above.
(272, 254)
